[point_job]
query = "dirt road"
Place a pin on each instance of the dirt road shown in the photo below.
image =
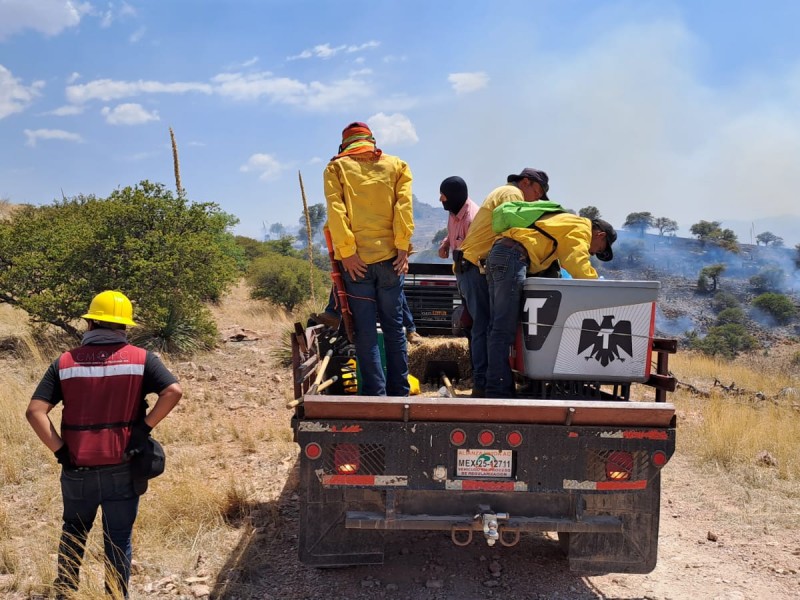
(744, 562)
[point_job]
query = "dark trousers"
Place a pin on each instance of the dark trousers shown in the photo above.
(83, 492)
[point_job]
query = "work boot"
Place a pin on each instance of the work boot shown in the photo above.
(412, 337)
(327, 319)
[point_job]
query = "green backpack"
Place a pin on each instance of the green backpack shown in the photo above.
(522, 214)
(525, 214)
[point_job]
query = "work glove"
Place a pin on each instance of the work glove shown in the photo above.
(140, 431)
(63, 457)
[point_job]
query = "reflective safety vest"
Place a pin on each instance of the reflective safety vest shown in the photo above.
(102, 388)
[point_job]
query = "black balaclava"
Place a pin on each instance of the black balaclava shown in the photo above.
(455, 192)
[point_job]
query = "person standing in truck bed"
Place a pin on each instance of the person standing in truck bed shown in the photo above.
(521, 252)
(370, 219)
(530, 185)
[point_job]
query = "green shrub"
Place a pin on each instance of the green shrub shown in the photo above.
(777, 306)
(180, 329)
(725, 340)
(284, 280)
(734, 314)
(768, 280)
(723, 300)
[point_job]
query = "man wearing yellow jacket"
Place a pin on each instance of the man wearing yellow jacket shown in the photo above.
(368, 194)
(523, 251)
(529, 186)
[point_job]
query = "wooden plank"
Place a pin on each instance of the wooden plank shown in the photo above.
(484, 410)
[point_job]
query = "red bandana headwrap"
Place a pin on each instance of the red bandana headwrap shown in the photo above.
(357, 139)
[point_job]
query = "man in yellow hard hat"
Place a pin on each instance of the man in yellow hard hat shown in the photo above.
(102, 384)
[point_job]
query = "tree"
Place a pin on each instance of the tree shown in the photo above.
(712, 272)
(639, 220)
(705, 230)
(168, 255)
(769, 239)
(665, 225)
(439, 236)
(711, 231)
(316, 215)
(589, 212)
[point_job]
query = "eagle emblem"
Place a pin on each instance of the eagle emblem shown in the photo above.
(606, 340)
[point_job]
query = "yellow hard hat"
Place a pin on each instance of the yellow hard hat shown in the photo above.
(111, 307)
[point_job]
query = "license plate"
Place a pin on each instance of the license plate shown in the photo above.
(484, 463)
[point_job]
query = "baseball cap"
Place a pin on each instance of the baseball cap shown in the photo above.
(611, 237)
(529, 173)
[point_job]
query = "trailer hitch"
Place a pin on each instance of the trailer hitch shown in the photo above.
(491, 524)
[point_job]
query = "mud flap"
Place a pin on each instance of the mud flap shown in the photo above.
(635, 550)
(325, 542)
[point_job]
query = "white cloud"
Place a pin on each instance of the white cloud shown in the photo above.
(14, 96)
(49, 17)
(137, 35)
(128, 114)
(73, 77)
(392, 129)
(109, 89)
(464, 83)
(115, 12)
(266, 165)
(282, 90)
(325, 51)
(34, 135)
(66, 110)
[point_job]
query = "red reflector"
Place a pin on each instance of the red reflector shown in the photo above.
(619, 466)
(313, 451)
(514, 438)
(458, 437)
(486, 438)
(659, 458)
(347, 459)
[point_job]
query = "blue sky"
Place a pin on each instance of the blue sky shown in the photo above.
(688, 110)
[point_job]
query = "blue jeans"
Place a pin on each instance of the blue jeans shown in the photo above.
(408, 319)
(506, 268)
(378, 296)
(472, 287)
(83, 492)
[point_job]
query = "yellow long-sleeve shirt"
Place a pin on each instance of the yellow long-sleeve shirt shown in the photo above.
(481, 236)
(369, 207)
(574, 236)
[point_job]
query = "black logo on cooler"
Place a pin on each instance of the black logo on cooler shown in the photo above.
(606, 340)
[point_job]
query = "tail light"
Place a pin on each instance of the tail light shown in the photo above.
(659, 458)
(346, 459)
(313, 450)
(458, 437)
(486, 438)
(619, 466)
(514, 438)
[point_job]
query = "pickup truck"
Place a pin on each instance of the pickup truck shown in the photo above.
(577, 452)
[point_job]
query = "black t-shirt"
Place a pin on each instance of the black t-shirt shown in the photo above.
(156, 379)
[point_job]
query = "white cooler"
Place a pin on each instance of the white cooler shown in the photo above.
(587, 329)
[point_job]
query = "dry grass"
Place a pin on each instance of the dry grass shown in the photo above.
(749, 439)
